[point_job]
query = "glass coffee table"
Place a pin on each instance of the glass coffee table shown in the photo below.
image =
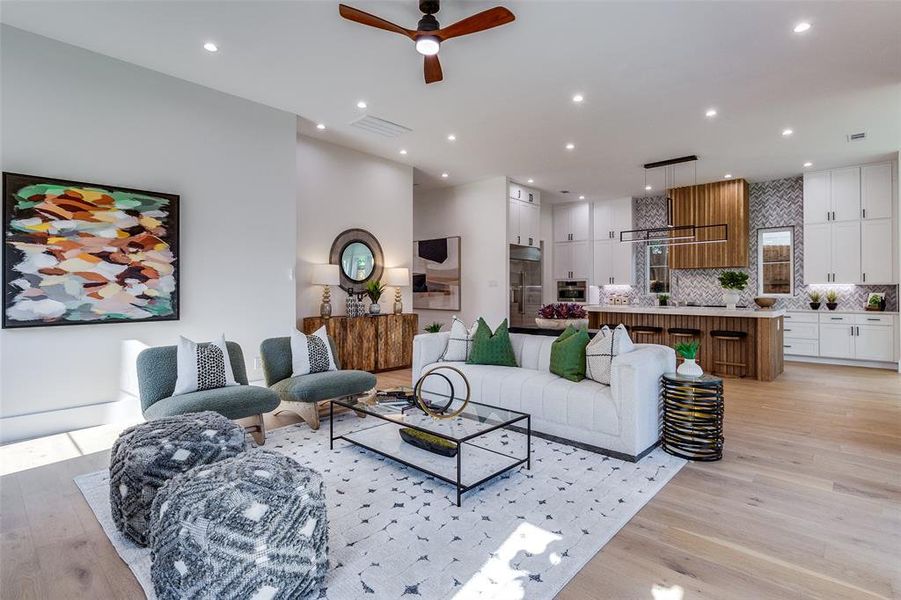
(481, 435)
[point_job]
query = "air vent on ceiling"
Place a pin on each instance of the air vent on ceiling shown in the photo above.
(856, 137)
(380, 126)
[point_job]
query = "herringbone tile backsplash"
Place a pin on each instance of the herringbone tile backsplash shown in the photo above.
(777, 203)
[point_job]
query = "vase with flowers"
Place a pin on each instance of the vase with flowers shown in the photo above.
(562, 314)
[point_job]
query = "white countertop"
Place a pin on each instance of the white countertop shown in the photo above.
(842, 311)
(698, 311)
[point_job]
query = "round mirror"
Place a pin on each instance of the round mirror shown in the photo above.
(357, 261)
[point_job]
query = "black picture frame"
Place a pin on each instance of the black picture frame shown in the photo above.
(15, 181)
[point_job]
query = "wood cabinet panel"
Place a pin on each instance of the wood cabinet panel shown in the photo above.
(712, 204)
(370, 344)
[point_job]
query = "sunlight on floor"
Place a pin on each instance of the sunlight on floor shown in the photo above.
(497, 579)
(663, 592)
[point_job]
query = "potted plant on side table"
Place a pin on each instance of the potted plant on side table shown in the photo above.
(814, 300)
(831, 299)
(689, 352)
(375, 289)
(732, 283)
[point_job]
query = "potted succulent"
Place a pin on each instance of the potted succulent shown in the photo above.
(663, 299)
(814, 300)
(375, 289)
(562, 314)
(732, 282)
(831, 299)
(433, 327)
(689, 352)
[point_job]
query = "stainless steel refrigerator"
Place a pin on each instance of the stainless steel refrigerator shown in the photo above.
(525, 285)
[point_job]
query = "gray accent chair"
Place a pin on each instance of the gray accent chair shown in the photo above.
(302, 394)
(158, 370)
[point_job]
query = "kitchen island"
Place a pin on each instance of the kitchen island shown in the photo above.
(735, 343)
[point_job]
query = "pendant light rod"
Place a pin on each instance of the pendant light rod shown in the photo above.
(670, 161)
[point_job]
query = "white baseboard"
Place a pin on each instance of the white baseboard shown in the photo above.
(870, 364)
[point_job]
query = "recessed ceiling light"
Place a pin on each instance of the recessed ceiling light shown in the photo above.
(530, 181)
(802, 27)
(578, 98)
(648, 188)
(452, 138)
(320, 126)
(581, 197)
(727, 176)
(808, 164)
(787, 132)
(403, 151)
(570, 146)
(361, 104)
(211, 47)
(711, 112)
(444, 175)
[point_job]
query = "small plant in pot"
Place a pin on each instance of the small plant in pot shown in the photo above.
(375, 289)
(433, 327)
(663, 299)
(814, 300)
(831, 299)
(732, 283)
(558, 316)
(689, 352)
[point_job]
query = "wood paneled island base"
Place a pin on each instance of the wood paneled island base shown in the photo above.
(760, 350)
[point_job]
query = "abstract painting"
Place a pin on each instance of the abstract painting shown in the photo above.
(77, 253)
(436, 274)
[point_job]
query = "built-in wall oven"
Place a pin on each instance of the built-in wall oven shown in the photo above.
(572, 291)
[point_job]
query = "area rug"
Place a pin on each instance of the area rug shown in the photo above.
(395, 532)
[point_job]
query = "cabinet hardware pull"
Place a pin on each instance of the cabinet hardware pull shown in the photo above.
(864, 213)
(864, 276)
(872, 319)
(787, 329)
(786, 345)
(836, 318)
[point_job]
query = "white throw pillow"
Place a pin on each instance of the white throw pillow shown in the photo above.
(202, 366)
(460, 342)
(311, 353)
(600, 352)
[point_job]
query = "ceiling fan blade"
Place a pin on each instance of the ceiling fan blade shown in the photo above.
(432, 68)
(493, 17)
(352, 14)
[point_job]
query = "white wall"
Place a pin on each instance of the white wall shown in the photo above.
(477, 212)
(73, 114)
(339, 189)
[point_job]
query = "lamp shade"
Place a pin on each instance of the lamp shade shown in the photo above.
(397, 277)
(326, 275)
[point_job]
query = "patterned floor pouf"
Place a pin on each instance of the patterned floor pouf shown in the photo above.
(252, 526)
(147, 455)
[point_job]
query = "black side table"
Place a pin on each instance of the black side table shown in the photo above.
(693, 416)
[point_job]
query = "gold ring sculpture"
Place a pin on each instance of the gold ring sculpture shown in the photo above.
(429, 410)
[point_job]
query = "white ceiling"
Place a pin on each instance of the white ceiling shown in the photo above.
(648, 72)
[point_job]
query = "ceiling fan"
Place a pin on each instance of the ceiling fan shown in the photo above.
(428, 35)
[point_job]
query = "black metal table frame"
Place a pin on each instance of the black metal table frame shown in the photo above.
(461, 488)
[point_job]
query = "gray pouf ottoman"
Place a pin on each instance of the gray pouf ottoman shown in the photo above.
(252, 526)
(147, 455)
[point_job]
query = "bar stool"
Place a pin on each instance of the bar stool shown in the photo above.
(642, 330)
(725, 336)
(615, 325)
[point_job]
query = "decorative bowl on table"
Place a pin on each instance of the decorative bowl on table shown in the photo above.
(764, 302)
(562, 314)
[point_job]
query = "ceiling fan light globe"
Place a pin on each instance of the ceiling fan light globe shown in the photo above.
(428, 45)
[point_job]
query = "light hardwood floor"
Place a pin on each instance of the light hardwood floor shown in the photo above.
(805, 504)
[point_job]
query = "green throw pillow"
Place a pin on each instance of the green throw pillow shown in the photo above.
(568, 354)
(493, 348)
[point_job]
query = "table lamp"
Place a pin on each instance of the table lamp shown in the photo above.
(326, 275)
(397, 277)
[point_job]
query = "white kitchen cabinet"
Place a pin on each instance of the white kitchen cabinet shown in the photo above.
(845, 252)
(877, 258)
(613, 263)
(571, 260)
(876, 191)
(571, 222)
(611, 217)
(817, 203)
(515, 191)
(818, 253)
(845, 194)
(514, 217)
(874, 342)
(524, 224)
(836, 340)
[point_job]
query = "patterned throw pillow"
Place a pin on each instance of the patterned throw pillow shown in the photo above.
(202, 366)
(492, 348)
(601, 350)
(460, 342)
(311, 353)
(568, 354)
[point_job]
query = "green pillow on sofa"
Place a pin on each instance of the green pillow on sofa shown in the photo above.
(568, 354)
(492, 348)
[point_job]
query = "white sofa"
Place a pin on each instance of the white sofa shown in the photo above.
(622, 419)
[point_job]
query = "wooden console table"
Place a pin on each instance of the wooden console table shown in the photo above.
(371, 343)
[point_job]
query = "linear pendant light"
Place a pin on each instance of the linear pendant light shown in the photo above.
(674, 235)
